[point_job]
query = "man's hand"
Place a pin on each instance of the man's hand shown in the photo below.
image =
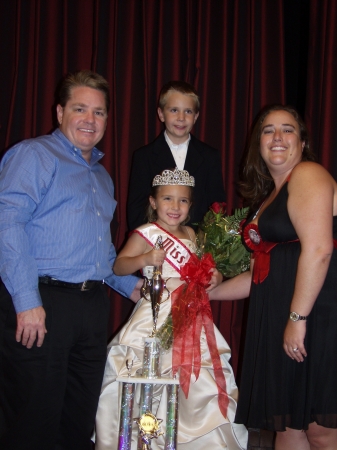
(31, 327)
(135, 295)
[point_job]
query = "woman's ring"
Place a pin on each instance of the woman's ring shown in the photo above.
(295, 349)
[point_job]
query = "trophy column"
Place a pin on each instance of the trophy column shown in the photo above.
(125, 423)
(148, 423)
(151, 370)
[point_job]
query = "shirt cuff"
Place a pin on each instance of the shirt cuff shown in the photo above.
(124, 285)
(28, 300)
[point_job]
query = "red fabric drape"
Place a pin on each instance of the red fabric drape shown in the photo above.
(321, 84)
(232, 51)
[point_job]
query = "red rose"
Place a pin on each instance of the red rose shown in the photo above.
(218, 207)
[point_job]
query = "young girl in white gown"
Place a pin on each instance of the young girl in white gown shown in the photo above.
(206, 416)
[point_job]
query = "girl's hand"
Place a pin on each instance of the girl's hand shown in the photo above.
(154, 257)
(293, 340)
(215, 280)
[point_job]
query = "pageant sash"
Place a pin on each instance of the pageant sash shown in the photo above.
(177, 254)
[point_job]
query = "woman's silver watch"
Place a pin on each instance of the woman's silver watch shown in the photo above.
(294, 316)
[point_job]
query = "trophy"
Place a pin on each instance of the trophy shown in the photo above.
(153, 291)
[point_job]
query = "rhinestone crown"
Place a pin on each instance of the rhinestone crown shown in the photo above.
(177, 177)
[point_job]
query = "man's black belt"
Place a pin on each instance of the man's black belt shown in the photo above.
(84, 286)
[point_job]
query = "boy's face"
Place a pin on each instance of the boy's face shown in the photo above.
(178, 115)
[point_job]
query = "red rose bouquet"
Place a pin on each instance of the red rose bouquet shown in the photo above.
(220, 235)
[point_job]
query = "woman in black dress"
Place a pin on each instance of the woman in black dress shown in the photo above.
(289, 375)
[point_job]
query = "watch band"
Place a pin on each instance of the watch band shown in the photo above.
(294, 316)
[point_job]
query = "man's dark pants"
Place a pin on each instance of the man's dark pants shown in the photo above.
(49, 395)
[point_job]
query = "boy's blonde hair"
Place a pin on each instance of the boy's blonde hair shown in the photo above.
(178, 86)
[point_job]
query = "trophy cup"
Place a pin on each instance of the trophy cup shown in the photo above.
(153, 291)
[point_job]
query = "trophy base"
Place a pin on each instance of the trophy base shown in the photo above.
(145, 436)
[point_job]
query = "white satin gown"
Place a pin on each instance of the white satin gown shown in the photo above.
(201, 424)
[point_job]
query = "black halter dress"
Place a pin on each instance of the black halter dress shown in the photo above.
(275, 391)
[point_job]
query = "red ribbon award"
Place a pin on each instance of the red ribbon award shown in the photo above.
(191, 311)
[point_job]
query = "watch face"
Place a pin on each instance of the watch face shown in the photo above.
(294, 316)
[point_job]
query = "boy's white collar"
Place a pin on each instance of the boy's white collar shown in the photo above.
(171, 144)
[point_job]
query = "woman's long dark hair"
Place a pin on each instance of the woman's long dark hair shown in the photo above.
(256, 182)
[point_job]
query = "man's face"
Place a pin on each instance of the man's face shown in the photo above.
(83, 120)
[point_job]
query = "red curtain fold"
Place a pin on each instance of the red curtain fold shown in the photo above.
(232, 51)
(321, 101)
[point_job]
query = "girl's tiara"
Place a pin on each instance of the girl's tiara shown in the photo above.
(177, 177)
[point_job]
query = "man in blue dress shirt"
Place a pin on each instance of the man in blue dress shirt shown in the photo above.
(56, 205)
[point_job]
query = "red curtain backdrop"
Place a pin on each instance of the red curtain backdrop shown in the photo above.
(240, 55)
(320, 112)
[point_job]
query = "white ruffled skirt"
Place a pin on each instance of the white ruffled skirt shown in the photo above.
(201, 424)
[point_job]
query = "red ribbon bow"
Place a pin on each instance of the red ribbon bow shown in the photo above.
(190, 311)
(261, 253)
(261, 250)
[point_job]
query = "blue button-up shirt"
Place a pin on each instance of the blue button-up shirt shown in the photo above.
(55, 214)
